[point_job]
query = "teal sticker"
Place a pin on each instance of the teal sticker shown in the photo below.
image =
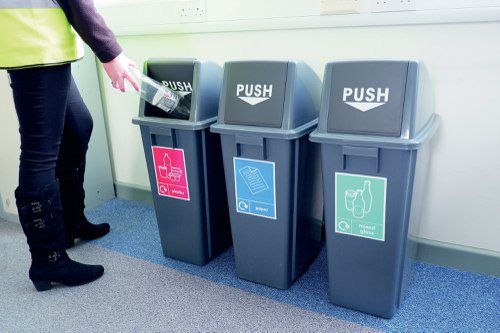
(360, 205)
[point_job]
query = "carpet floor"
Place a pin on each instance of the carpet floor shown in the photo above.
(143, 291)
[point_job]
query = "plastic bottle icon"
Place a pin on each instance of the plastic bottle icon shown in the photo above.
(367, 196)
(161, 96)
(168, 171)
(166, 168)
(350, 195)
(359, 205)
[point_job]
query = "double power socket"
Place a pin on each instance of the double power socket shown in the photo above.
(191, 11)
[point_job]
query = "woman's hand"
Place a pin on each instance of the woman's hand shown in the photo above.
(117, 70)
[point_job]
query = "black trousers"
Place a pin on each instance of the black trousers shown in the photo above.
(54, 123)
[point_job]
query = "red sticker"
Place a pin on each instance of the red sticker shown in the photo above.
(170, 169)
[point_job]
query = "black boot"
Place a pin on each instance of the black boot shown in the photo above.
(73, 202)
(41, 220)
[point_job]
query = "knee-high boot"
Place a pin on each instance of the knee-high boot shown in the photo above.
(73, 203)
(41, 220)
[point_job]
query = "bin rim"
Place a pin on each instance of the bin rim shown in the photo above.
(174, 123)
(267, 132)
(425, 134)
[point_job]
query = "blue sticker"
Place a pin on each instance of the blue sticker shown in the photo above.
(255, 187)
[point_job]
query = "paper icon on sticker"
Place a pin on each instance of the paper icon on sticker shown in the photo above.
(253, 179)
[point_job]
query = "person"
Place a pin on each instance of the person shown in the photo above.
(38, 42)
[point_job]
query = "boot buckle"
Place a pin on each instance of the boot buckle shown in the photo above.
(54, 256)
(39, 223)
(36, 207)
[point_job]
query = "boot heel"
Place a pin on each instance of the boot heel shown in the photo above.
(42, 285)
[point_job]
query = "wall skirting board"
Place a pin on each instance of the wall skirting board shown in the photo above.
(459, 257)
(9, 217)
(133, 192)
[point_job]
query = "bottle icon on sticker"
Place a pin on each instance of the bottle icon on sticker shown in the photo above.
(167, 171)
(359, 201)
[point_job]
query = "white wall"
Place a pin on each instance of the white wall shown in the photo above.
(463, 61)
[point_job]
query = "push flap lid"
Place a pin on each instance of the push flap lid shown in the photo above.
(174, 74)
(254, 93)
(366, 97)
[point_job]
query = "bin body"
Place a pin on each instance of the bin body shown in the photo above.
(184, 163)
(272, 170)
(374, 165)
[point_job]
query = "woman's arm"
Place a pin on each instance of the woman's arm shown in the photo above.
(90, 25)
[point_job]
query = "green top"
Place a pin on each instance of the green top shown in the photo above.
(32, 37)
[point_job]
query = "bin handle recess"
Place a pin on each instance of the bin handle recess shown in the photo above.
(362, 152)
(251, 141)
(170, 132)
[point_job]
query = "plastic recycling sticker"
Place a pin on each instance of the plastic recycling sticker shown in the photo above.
(360, 203)
(170, 169)
(254, 183)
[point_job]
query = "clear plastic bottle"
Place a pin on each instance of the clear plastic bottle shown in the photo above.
(162, 97)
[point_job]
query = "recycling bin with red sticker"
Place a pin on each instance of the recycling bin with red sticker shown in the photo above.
(184, 162)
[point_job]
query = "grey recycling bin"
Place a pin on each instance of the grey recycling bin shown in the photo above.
(184, 162)
(375, 125)
(266, 112)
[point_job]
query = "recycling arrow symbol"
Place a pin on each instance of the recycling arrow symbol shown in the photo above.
(344, 226)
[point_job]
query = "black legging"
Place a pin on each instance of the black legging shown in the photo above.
(54, 123)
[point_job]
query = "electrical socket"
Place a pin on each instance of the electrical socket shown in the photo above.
(392, 5)
(329, 7)
(191, 11)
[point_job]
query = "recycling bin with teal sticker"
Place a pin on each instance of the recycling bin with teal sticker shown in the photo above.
(184, 162)
(267, 110)
(375, 126)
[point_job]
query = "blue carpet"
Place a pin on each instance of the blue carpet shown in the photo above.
(440, 299)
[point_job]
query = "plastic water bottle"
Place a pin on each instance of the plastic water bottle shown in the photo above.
(162, 97)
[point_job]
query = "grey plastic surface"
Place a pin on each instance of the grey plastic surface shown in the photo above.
(286, 110)
(198, 229)
(255, 93)
(276, 251)
(402, 121)
(366, 274)
(366, 98)
(182, 74)
(425, 134)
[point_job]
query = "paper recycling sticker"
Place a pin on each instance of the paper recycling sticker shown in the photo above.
(255, 187)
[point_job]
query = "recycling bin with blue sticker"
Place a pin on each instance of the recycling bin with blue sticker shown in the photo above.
(267, 110)
(375, 126)
(184, 162)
